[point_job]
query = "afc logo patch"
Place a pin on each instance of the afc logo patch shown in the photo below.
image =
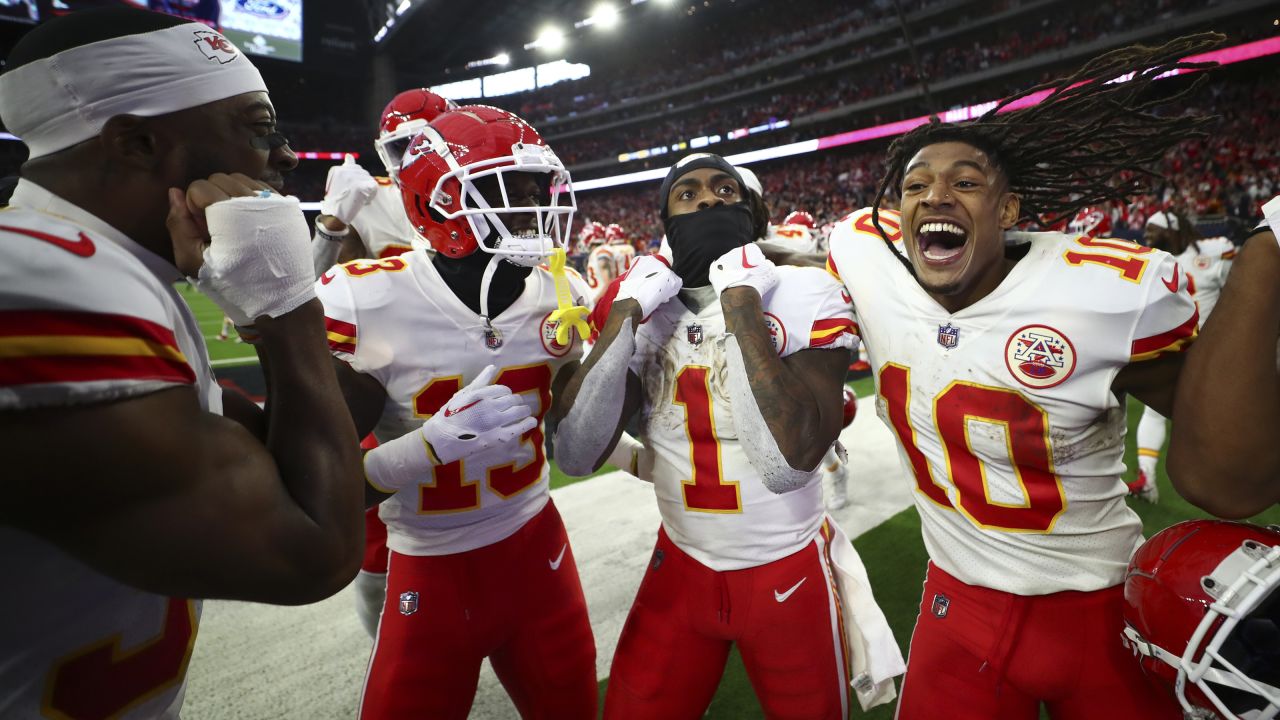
(408, 602)
(547, 334)
(1039, 356)
(777, 332)
(215, 47)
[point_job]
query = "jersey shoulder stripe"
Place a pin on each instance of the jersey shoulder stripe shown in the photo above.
(341, 335)
(826, 332)
(1175, 340)
(55, 346)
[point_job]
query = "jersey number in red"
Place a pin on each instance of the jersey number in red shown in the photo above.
(1026, 432)
(707, 491)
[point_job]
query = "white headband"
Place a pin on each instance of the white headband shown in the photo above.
(1162, 219)
(65, 99)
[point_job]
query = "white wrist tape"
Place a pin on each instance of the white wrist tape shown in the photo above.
(258, 260)
(581, 437)
(753, 432)
(626, 455)
(399, 463)
(1271, 209)
(324, 249)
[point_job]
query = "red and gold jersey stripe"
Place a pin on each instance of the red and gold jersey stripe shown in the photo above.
(831, 268)
(1175, 340)
(826, 332)
(59, 346)
(341, 335)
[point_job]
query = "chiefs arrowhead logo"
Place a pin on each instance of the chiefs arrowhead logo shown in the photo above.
(215, 47)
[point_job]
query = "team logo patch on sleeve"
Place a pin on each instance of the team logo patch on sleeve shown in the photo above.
(1039, 356)
(548, 335)
(777, 332)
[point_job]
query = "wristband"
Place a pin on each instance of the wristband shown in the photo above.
(331, 234)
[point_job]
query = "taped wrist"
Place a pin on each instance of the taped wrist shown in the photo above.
(324, 249)
(399, 463)
(582, 434)
(626, 454)
(257, 262)
(753, 432)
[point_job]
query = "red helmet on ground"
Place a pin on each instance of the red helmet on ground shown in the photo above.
(850, 406)
(615, 234)
(1202, 612)
(800, 217)
(1091, 221)
(404, 117)
(474, 142)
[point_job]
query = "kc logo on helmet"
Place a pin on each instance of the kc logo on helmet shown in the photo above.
(216, 47)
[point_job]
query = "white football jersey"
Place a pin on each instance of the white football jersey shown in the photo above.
(1208, 262)
(1004, 410)
(798, 238)
(89, 316)
(396, 320)
(606, 262)
(712, 501)
(382, 224)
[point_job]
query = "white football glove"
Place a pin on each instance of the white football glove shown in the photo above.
(650, 282)
(478, 417)
(349, 188)
(743, 267)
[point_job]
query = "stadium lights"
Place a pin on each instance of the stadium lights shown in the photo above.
(605, 16)
(499, 59)
(550, 39)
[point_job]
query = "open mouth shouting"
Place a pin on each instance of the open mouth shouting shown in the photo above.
(941, 242)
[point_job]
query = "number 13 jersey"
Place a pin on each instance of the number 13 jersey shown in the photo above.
(395, 320)
(1004, 411)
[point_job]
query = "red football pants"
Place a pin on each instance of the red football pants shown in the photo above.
(375, 531)
(990, 655)
(517, 602)
(783, 615)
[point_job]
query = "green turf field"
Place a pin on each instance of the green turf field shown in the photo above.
(893, 552)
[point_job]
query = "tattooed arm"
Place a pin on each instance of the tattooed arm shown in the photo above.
(799, 396)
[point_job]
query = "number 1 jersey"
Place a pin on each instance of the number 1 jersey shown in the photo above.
(1004, 411)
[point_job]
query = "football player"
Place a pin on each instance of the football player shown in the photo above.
(734, 367)
(1003, 370)
(1223, 456)
(133, 483)
(797, 232)
(1206, 262)
(1202, 617)
(362, 216)
(451, 362)
(601, 263)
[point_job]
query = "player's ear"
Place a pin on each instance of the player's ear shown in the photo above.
(131, 141)
(1010, 210)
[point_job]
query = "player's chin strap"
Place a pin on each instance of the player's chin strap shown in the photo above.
(569, 315)
(485, 281)
(581, 437)
(1142, 646)
(753, 432)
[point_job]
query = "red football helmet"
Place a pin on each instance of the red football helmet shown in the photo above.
(1202, 611)
(1091, 221)
(850, 406)
(800, 217)
(614, 234)
(592, 234)
(474, 142)
(404, 117)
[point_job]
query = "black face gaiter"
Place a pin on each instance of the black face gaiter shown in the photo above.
(699, 238)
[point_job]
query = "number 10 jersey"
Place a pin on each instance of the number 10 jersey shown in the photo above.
(1004, 411)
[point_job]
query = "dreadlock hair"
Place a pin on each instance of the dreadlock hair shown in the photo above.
(1089, 140)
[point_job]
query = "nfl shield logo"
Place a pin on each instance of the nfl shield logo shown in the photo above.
(492, 338)
(694, 334)
(408, 602)
(948, 336)
(941, 603)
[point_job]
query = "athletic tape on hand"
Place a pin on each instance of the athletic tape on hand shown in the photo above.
(259, 257)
